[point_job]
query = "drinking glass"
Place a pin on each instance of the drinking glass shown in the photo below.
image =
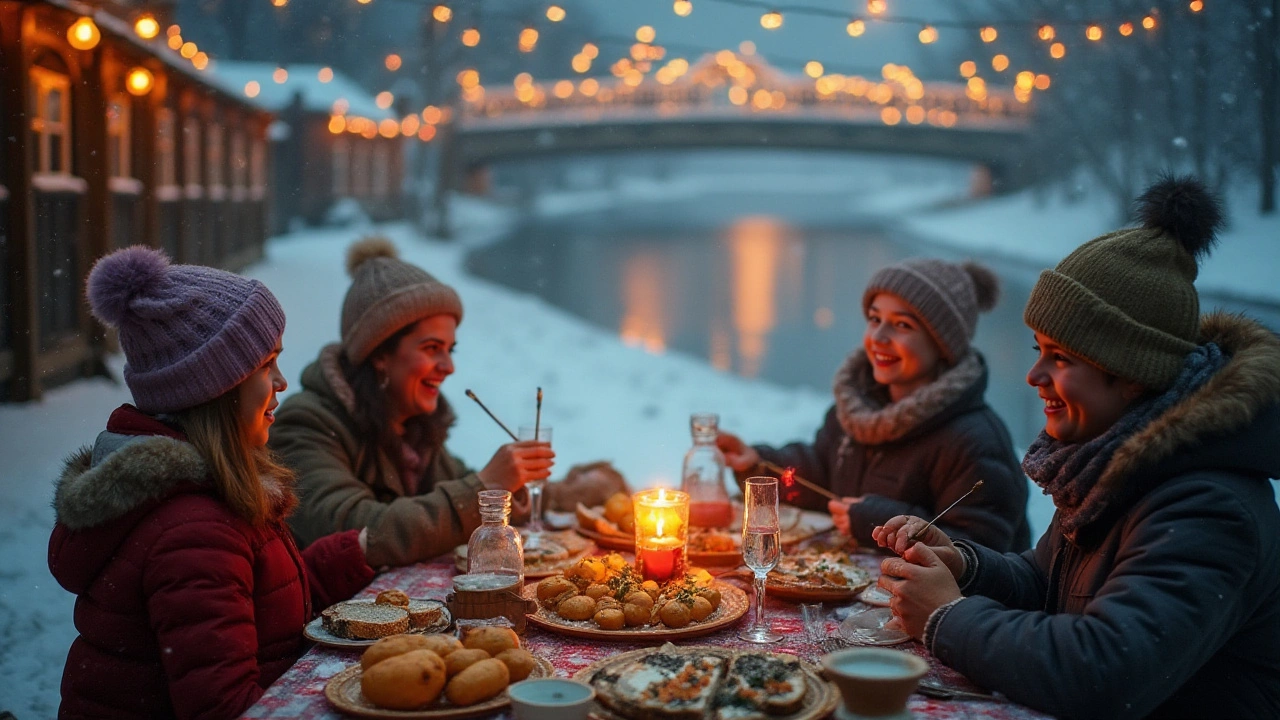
(535, 527)
(760, 547)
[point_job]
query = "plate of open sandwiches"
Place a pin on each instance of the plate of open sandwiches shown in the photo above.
(817, 575)
(361, 623)
(604, 598)
(434, 677)
(612, 526)
(554, 552)
(707, 682)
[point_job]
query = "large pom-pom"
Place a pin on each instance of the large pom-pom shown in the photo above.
(985, 283)
(367, 249)
(117, 279)
(1184, 208)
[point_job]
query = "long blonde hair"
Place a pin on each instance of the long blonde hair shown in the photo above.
(240, 473)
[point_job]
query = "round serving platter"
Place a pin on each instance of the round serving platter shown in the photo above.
(343, 692)
(733, 605)
(316, 632)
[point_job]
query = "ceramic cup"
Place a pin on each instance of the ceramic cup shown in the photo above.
(551, 699)
(874, 682)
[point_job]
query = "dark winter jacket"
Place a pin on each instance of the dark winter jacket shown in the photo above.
(915, 456)
(184, 610)
(1169, 604)
(347, 481)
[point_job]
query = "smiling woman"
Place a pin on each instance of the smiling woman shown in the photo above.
(911, 427)
(366, 434)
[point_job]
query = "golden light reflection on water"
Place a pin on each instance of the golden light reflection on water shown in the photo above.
(758, 260)
(644, 302)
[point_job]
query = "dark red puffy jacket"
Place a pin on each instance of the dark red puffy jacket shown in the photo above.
(183, 609)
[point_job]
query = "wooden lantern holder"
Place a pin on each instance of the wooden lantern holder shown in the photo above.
(486, 604)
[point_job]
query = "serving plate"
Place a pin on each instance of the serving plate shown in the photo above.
(868, 628)
(733, 605)
(820, 698)
(343, 692)
(857, 579)
(316, 632)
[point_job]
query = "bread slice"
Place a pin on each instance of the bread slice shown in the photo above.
(758, 685)
(424, 613)
(670, 684)
(365, 621)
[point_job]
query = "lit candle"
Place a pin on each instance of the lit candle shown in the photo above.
(662, 523)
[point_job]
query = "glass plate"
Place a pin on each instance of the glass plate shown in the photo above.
(868, 628)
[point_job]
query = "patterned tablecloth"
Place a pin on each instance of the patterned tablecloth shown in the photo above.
(299, 693)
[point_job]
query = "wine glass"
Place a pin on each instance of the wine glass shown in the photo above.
(760, 547)
(535, 527)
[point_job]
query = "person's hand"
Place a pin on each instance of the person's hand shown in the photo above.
(363, 540)
(737, 454)
(920, 584)
(839, 510)
(517, 463)
(895, 535)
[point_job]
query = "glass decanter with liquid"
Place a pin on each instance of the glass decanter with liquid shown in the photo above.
(703, 475)
(495, 552)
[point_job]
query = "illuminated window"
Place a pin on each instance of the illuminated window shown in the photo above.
(341, 167)
(51, 121)
(166, 171)
(118, 136)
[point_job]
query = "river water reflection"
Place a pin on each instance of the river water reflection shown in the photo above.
(766, 287)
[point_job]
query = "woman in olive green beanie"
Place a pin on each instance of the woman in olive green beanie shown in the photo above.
(366, 434)
(1156, 590)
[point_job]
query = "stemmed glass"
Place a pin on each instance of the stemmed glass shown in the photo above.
(535, 527)
(760, 547)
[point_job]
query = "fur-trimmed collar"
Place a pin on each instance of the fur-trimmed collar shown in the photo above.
(1227, 404)
(326, 377)
(867, 415)
(131, 472)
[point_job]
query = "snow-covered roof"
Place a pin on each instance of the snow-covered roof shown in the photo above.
(317, 96)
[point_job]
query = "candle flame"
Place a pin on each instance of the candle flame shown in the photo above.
(789, 477)
(658, 525)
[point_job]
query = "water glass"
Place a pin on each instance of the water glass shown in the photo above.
(815, 622)
(761, 547)
(526, 432)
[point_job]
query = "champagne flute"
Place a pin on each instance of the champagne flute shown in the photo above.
(541, 433)
(761, 547)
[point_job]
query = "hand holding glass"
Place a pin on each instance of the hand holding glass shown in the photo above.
(761, 548)
(526, 432)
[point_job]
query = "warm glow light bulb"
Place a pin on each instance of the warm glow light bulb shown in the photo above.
(1046, 32)
(645, 34)
(968, 68)
(471, 37)
(746, 47)
(325, 75)
(279, 3)
(928, 34)
(146, 26)
(393, 62)
(1094, 32)
(771, 20)
(139, 80)
(682, 7)
(384, 99)
(876, 7)
(555, 13)
(1149, 22)
(188, 50)
(442, 13)
(84, 34)
(988, 34)
(1000, 63)
(813, 69)
(252, 88)
(855, 28)
(1196, 6)
(1057, 51)
(280, 76)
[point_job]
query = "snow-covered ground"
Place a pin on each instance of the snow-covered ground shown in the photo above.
(605, 400)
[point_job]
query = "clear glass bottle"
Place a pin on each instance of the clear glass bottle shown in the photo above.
(703, 475)
(495, 552)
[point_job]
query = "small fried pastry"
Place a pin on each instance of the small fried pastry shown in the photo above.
(389, 647)
(442, 644)
(610, 618)
(637, 615)
(404, 682)
(700, 609)
(675, 614)
(554, 586)
(579, 607)
(392, 597)
(519, 662)
(492, 640)
(478, 682)
(459, 660)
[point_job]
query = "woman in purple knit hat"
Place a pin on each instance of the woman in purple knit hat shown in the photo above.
(191, 595)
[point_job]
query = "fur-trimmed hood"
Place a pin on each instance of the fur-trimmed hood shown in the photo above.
(869, 417)
(1231, 423)
(135, 472)
(325, 377)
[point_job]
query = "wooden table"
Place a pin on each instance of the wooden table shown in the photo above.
(299, 693)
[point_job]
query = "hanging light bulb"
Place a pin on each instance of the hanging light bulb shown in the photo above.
(1057, 51)
(146, 26)
(876, 7)
(1196, 6)
(471, 37)
(1094, 32)
(928, 34)
(442, 13)
(771, 20)
(1046, 32)
(988, 34)
(1149, 22)
(555, 13)
(682, 7)
(855, 28)
(645, 34)
(139, 81)
(84, 34)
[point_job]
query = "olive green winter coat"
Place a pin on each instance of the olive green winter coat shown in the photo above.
(345, 481)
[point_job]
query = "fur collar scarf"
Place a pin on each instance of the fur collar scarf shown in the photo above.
(869, 417)
(326, 377)
(1228, 403)
(140, 470)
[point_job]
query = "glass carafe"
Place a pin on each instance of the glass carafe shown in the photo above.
(703, 475)
(495, 553)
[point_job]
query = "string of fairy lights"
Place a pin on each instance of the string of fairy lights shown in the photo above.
(646, 59)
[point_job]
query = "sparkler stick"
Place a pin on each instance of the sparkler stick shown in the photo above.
(537, 418)
(495, 417)
(811, 485)
(920, 532)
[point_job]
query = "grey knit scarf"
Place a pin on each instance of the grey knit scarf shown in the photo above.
(1070, 471)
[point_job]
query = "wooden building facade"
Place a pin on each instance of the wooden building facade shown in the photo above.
(123, 143)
